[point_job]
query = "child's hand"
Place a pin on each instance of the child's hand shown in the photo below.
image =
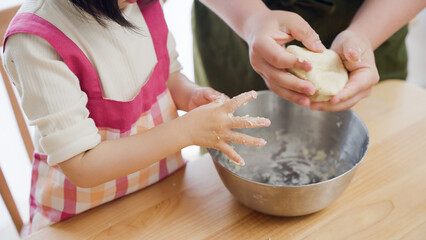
(358, 57)
(212, 125)
(266, 33)
(204, 95)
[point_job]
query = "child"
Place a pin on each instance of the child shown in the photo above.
(100, 82)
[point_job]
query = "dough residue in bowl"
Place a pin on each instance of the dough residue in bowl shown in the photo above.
(290, 163)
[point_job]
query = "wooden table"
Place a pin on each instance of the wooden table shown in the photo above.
(386, 199)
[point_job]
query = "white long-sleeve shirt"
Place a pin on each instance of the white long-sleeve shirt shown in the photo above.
(50, 93)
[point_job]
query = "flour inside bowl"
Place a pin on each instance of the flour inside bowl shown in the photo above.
(287, 161)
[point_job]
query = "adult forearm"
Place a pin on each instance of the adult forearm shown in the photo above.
(236, 13)
(113, 159)
(377, 20)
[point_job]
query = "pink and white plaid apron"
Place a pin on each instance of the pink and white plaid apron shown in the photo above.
(53, 197)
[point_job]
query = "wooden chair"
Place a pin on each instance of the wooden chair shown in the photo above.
(5, 17)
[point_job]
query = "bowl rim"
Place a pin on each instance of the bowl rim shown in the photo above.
(354, 167)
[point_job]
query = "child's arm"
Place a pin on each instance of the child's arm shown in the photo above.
(209, 126)
(112, 159)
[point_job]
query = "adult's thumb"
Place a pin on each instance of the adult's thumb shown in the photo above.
(302, 31)
(352, 50)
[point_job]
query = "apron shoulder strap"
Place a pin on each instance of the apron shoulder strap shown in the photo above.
(72, 55)
(154, 18)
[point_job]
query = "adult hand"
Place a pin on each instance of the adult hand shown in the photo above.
(357, 55)
(266, 33)
(212, 125)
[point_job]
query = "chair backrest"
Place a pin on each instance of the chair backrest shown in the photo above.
(10, 203)
(6, 16)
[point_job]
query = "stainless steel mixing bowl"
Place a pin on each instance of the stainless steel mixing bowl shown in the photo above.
(309, 160)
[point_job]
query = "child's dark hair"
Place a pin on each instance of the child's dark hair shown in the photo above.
(105, 9)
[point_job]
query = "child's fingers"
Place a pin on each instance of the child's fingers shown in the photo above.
(250, 122)
(245, 139)
(231, 153)
(211, 95)
(240, 100)
(205, 96)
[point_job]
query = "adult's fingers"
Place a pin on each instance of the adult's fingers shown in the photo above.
(341, 106)
(350, 46)
(302, 31)
(281, 37)
(231, 153)
(267, 48)
(283, 79)
(359, 81)
(289, 95)
(239, 100)
(353, 49)
(249, 122)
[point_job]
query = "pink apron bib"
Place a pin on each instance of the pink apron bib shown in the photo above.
(53, 197)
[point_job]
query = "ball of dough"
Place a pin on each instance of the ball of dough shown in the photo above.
(328, 75)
